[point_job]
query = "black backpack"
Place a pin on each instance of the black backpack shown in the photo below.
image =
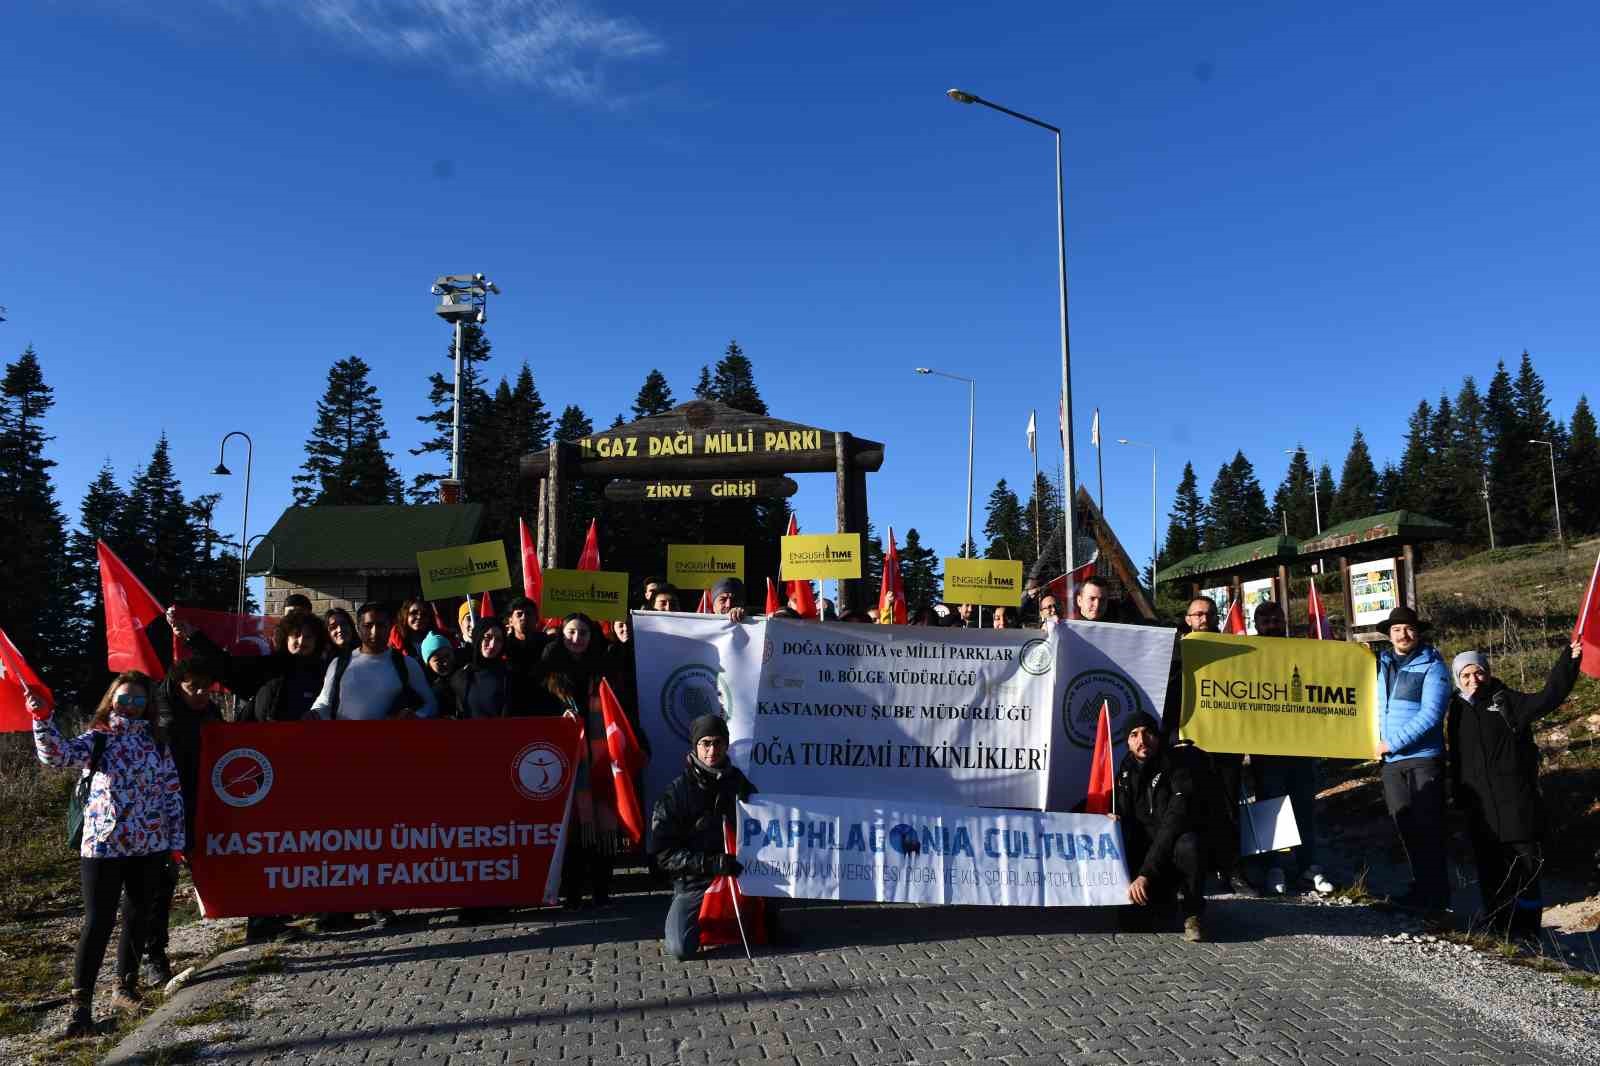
(408, 700)
(80, 794)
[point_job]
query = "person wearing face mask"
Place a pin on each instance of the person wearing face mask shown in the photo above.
(132, 821)
(1493, 770)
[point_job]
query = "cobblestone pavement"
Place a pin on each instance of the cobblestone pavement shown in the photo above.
(859, 985)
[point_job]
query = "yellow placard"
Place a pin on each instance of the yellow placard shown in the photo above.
(991, 582)
(600, 594)
(699, 566)
(814, 556)
(1279, 696)
(463, 570)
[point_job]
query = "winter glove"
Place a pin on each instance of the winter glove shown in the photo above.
(728, 866)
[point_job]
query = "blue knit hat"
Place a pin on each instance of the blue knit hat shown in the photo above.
(432, 643)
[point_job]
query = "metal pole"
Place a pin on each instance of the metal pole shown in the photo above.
(1555, 488)
(455, 416)
(1155, 540)
(968, 549)
(1487, 513)
(1037, 541)
(1100, 466)
(1070, 488)
(244, 524)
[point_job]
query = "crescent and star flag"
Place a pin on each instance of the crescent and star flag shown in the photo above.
(532, 574)
(627, 759)
(15, 676)
(1317, 615)
(892, 590)
(236, 634)
(1064, 588)
(1235, 621)
(772, 598)
(1033, 434)
(129, 609)
(590, 559)
(801, 597)
(1102, 776)
(1588, 627)
(727, 915)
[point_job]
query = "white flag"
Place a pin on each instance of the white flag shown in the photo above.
(1033, 429)
(1094, 429)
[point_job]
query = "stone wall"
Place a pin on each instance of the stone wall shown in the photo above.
(325, 590)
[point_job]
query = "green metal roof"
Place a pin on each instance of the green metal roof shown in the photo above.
(1277, 549)
(363, 538)
(1398, 526)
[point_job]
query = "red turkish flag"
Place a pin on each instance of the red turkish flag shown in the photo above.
(1235, 622)
(627, 759)
(705, 603)
(801, 596)
(1101, 773)
(892, 589)
(1317, 615)
(15, 674)
(772, 598)
(590, 559)
(485, 606)
(1588, 627)
(129, 609)
(725, 909)
(532, 574)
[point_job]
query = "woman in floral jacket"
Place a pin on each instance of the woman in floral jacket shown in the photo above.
(133, 818)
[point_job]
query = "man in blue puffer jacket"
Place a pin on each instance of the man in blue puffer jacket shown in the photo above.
(1413, 693)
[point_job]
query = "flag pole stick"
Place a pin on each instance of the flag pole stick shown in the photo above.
(1588, 597)
(733, 894)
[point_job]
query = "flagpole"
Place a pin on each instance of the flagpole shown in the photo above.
(1033, 447)
(733, 894)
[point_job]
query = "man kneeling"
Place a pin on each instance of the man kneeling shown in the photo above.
(687, 826)
(1162, 825)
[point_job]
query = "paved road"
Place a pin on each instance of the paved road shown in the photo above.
(864, 985)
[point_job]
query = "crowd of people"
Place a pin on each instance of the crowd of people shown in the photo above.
(1453, 731)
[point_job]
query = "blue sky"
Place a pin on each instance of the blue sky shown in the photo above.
(1281, 221)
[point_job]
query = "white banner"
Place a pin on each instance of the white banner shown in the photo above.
(689, 665)
(811, 847)
(942, 715)
(1102, 662)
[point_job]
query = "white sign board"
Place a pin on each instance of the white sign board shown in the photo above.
(1374, 590)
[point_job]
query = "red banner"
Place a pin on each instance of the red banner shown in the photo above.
(310, 817)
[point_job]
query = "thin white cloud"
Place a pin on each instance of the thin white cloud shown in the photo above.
(561, 47)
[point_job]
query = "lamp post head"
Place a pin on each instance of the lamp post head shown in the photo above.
(222, 471)
(961, 97)
(1546, 443)
(924, 370)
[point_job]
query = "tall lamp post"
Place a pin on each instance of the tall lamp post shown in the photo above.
(1553, 488)
(1316, 504)
(1070, 489)
(1155, 541)
(244, 524)
(463, 298)
(972, 409)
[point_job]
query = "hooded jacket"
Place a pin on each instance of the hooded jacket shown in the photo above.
(686, 827)
(135, 802)
(1493, 761)
(1413, 692)
(482, 688)
(1158, 802)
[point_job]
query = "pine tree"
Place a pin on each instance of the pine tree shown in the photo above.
(1533, 412)
(1439, 497)
(734, 382)
(475, 411)
(1041, 515)
(99, 517)
(33, 540)
(1003, 523)
(1237, 511)
(1583, 470)
(1358, 484)
(583, 498)
(154, 533)
(919, 567)
(1326, 492)
(703, 389)
(1410, 488)
(1292, 506)
(1186, 522)
(1466, 462)
(655, 396)
(871, 563)
(348, 414)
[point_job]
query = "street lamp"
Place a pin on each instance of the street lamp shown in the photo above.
(1556, 491)
(1316, 504)
(972, 409)
(244, 525)
(1070, 502)
(463, 298)
(1154, 541)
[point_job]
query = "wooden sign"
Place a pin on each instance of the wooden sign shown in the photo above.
(700, 490)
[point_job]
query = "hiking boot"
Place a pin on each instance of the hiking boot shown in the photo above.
(157, 968)
(125, 999)
(1192, 931)
(81, 1023)
(1240, 885)
(1277, 882)
(1314, 879)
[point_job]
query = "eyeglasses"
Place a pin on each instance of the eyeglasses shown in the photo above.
(128, 699)
(1198, 614)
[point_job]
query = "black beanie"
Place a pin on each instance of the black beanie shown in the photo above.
(1144, 720)
(707, 725)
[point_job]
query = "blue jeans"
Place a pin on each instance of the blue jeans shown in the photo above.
(683, 923)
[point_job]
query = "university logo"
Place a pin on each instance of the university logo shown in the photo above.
(242, 777)
(538, 770)
(1036, 658)
(691, 691)
(1080, 707)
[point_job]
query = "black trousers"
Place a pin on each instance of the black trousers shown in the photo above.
(1508, 880)
(158, 916)
(585, 871)
(1225, 835)
(105, 881)
(1413, 790)
(1183, 872)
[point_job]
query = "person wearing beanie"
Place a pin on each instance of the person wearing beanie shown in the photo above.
(687, 826)
(1163, 813)
(1493, 770)
(1413, 692)
(440, 663)
(727, 597)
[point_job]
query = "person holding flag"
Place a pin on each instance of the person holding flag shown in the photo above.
(892, 589)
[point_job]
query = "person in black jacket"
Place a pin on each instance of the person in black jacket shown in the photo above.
(1163, 823)
(687, 827)
(482, 688)
(298, 651)
(1492, 765)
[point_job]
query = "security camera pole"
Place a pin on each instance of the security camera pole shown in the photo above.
(464, 297)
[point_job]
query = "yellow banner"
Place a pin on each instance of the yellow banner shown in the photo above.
(814, 556)
(992, 582)
(463, 570)
(699, 566)
(1279, 696)
(600, 594)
